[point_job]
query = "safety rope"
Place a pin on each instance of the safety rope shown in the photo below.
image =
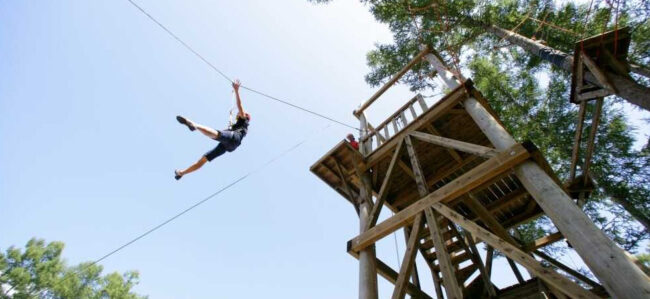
(202, 201)
(197, 54)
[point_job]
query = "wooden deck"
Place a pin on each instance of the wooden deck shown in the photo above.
(498, 204)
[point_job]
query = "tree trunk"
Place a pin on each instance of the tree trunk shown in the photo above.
(625, 88)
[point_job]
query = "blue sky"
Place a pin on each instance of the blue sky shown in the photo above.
(89, 91)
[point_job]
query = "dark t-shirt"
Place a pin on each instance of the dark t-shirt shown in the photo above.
(240, 126)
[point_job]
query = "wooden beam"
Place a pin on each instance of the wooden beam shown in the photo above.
(602, 255)
(449, 279)
(406, 169)
(597, 72)
(344, 182)
(390, 275)
(481, 267)
(593, 94)
(544, 241)
(466, 182)
(489, 258)
(409, 260)
(434, 112)
(591, 142)
(471, 148)
(568, 270)
(515, 270)
(383, 190)
(488, 219)
(391, 82)
(577, 140)
(551, 277)
(452, 152)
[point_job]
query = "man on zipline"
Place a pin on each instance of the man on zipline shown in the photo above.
(228, 139)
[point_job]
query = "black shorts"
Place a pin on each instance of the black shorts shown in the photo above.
(228, 142)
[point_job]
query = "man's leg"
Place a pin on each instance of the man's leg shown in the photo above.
(192, 167)
(209, 156)
(207, 131)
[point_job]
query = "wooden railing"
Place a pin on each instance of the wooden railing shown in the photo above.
(395, 123)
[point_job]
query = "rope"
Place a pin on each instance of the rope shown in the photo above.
(200, 202)
(399, 266)
(197, 54)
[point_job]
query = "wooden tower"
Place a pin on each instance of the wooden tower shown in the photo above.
(455, 178)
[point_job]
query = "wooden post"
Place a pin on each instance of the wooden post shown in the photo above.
(577, 140)
(409, 260)
(477, 260)
(553, 278)
(626, 88)
(367, 256)
(390, 82)
(620, 277)
(448, 275)
(591, 142)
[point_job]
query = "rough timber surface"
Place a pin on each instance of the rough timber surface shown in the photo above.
(504, 198)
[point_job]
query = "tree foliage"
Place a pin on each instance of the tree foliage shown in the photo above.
(39, 272)
(531, 96)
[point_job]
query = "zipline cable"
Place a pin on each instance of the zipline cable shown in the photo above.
(202, 201)
(197, 54)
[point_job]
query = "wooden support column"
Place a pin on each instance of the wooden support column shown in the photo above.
(489, 258)
(391, 275)
(515, 270)
(551, 277)
(608, 262)
(577, 140)
(591, 142)
(449, 279)
(367, 256)
(471, 148)
(383, 190)
(568, 270)
(414, 272)
(409, 260)
(477, 260)
(473, 178)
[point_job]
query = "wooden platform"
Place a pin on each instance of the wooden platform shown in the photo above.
(496, 205)
(600, 54)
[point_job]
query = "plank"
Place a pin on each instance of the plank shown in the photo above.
(551, 277)
(515, 270)
(593, 94)
(577, 140)
(391, 82)
(434, 112)
(488, 219)
(473, 178)
(481, 267)
(597, 72)
(462, 146)
(383, 190)
(567, 269)
(489, 258)
(422, 103)
(409, 260)
(390, 275)
(543, 241)
(452, 152)
(344, 182)
(449, 280)
(591, 142)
